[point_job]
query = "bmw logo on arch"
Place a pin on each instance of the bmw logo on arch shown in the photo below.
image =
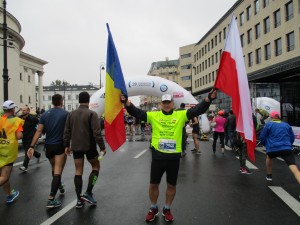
(267, 107)
(163, 88)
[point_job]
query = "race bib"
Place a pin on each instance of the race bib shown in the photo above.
(167, 145)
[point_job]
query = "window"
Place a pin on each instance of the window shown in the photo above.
(289, 11)
(278, 47)
(205, 49)
(224, 33)
(185, 67)
(206, 79)
(242, 19)
(49, 98)
(268, 51)
(256, 6)
(277, 18)
(220, 36)
(205, 64)
(212, 43)
(213, 75)
(199, 53)
(267, 25)
(257, 31)
(29, 99)
(266, 3)
(243, 40)
(69, 97)
(249, 13)
(212, 60)
(184, 56)
(208, 62)
(186, 78)
(21, 77)
(28, 78)
(216, 40)
(217, 59)
(43, 97)
(249, 35)
(208, 46)
(258, 55)
(69, 107)
(290, 37)
(202, 51)
(250, 59)
(209, 78)
(21, 99)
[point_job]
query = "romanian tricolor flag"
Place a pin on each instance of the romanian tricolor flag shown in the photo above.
(114, 118)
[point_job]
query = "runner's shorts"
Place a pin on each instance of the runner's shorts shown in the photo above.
(158, 167)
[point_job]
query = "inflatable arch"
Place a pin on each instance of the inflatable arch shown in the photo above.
(152, 86)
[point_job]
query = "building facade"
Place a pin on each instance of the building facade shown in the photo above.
(168, 69)
(70, 94)
(24, 70)
(270, 38)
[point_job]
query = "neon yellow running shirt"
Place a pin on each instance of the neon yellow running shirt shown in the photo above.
(167, 130)
(8, 139)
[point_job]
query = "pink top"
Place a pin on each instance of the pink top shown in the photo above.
(220, 122)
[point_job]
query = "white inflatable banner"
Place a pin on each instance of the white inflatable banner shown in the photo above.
(150, 86)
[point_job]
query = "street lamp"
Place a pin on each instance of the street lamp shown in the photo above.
(5, 70)
(101, 68)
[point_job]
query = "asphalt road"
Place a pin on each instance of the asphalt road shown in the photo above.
(210, 191)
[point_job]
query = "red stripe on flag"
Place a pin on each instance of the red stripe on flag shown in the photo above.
(115, 139)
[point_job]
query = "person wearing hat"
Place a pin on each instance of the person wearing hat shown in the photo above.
(166, 146)
(278, 138)
(219, 131)
(11, 128)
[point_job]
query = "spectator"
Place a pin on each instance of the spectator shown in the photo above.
(278, 138)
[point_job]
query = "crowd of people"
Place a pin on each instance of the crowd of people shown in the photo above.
(68, 135)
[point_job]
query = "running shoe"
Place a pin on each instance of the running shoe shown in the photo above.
(13, 195)
(168, 215)
(152, 214)
(245, 170)
(79, 204)
(198, 152)
(88, 197)
(23, 168)
(62, 189)
(194, 150)
(269, 177)
(53, 203)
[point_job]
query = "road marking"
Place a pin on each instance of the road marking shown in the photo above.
(21, 154)
(141, 153)
(122, 150)
(279, 158)
(59, 214)
(19, 163)
(249, 164)
(287, 199)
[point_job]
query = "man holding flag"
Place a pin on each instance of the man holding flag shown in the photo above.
(166, 146)
(232, 80)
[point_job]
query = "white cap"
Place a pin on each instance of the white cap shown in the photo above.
(9, 104)
(166, 98)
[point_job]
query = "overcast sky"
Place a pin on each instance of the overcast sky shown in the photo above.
(71, 35)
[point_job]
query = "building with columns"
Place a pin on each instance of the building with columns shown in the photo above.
(24, 70)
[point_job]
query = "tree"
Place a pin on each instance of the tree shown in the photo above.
(59, 83)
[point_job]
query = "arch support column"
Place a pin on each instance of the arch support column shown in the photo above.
(40, 93)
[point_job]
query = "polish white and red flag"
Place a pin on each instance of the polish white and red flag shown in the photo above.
(232, 80)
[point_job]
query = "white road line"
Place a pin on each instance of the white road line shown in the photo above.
(249, 164)
(279, 158)
(59, 214)
(20, 155)
(19, 163)
(122, 150)
(141, 153)
(287, 199)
